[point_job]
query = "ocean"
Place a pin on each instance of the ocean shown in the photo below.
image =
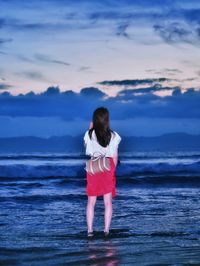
(156, 213)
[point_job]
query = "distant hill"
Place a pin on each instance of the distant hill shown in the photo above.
(170, 141)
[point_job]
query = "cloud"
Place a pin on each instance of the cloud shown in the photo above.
(176, 92)
(126, 14)
(131, 82)
(174, 32)
(192, 14)
(41, 58)
(84, 69)
(25, 58)
(198, 31)
(92, 92)
(174, 21)
(2, 22)
(156, 87)
(5, 40)
(165, 71)
(70, 105)
(4, 86)
(51, 91)
(5, 94)
(46, 58)
(55, 26)
(34, 75)
(122, 30)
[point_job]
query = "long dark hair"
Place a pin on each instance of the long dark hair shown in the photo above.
(101, 126)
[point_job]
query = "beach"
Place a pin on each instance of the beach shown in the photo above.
(156, 214)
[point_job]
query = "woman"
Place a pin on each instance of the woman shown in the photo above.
(100, 139)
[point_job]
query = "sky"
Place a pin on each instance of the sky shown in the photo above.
(61, 59)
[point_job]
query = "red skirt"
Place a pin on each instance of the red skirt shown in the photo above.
(102, 183)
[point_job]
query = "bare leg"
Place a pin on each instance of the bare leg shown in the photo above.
(108, 210)
(90, 212)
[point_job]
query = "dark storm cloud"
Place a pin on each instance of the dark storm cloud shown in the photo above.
(131, 82)
(70, 105)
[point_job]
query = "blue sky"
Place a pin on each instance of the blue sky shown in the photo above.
(138, 58)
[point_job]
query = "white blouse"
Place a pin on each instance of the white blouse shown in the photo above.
(93, 148)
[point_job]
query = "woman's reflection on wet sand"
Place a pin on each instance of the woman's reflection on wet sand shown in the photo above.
(102, 253)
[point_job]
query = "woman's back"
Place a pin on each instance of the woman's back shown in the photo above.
(93, 147)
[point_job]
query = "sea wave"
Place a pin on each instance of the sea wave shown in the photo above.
(28, 170)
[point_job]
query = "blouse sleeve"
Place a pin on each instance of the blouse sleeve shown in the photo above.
(87, 144)
(86, 138)
(116, 141)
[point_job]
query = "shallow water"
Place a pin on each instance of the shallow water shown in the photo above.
(156, 218)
